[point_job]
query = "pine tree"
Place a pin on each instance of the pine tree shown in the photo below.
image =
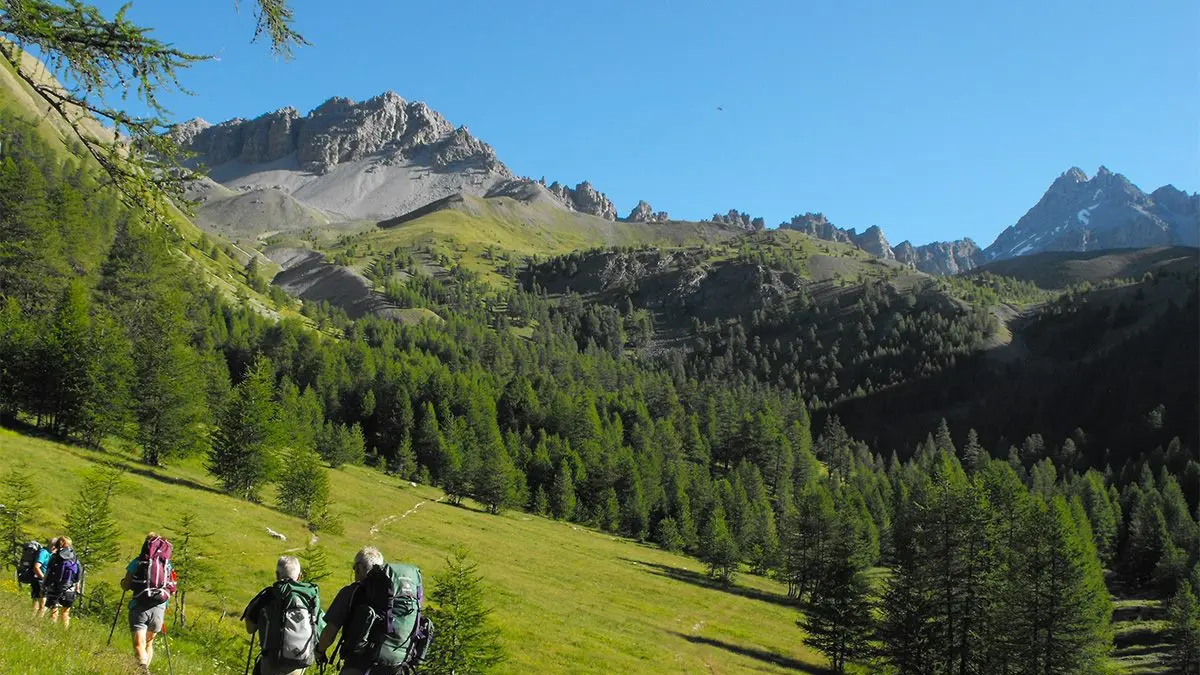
(303, 485)
(246, 442)
(718, 549)
(1059, 609)
(467, 643)
(668, 536)
(974, 456)
(455, 461)
(17, 339)
(562, 493)
(17, 504)
(428, 441)
(190, 562)
(541, 504)
(140, 281)
(838, 619)
(339, 444)
(89, 521)
(495, 480)
(1183, 613)
(314, 562)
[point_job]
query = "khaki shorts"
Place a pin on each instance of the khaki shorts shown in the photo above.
(147, 618)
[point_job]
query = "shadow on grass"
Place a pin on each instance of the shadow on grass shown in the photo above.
(148, 472)
(759, 654)
(102, 457)
(703, 580)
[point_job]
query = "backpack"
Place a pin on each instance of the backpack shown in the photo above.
(29, 556)
(151, 580)
(64, 570)
(289, 624)
(384, 618)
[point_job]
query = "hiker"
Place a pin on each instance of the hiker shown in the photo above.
(60, 585)
(35, 562)
(379, 616)
(152, 580)
(286, 617)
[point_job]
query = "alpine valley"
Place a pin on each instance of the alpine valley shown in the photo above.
(671, 446)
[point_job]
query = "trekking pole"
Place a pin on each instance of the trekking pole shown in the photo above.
(115, 617)
(167, 642)
(250, 652)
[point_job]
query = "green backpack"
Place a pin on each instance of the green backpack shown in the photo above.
(383, 616)
(291, 617)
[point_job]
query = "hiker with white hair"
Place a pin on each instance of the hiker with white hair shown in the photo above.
(379, 617)
(286, 619)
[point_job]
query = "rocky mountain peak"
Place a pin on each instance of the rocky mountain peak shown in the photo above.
(1106, 211)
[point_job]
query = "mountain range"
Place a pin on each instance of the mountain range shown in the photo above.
(385, 157)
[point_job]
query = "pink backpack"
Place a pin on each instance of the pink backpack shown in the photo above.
(154, 580)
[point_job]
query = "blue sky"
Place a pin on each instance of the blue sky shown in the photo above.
(933, 120)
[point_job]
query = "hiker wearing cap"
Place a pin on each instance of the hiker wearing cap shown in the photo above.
(151, 578)
(379, 617)
(35, 562)
(286, 617)
(61, 582)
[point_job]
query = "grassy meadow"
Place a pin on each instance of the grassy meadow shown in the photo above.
(567, 599)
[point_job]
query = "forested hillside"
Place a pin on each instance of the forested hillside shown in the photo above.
(728, 430)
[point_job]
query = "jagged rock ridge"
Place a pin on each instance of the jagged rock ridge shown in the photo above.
(817, 225)
(940, 257)
(585, 199)
(340, 131)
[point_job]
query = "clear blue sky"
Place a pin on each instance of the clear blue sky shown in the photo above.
(933, 120)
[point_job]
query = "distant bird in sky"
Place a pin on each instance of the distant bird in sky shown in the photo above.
(721, 108)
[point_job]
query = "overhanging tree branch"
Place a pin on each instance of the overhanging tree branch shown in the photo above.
(96, 58)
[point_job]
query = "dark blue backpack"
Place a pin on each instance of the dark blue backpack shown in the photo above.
(64, 570)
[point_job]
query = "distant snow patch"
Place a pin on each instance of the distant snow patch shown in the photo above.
(1085, 215)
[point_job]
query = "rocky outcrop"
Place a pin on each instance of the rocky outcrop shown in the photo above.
(1079, 213)
(874, 242)
(739, 219)
(585, 199)
(643, 213)
(341, 130)
(941, 257)
(817, 225)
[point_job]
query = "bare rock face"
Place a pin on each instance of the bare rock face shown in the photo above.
(643, 213)
(941, 257)
(585, 199)
(874, 242)
(341, 130)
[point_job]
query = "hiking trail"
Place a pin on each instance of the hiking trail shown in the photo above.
(392, 518)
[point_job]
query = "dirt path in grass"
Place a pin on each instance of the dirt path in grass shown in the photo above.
(394, 517)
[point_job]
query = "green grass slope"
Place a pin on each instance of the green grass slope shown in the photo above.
(479, 233)
(567, 599)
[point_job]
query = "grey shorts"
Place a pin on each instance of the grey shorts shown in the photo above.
(147, 617)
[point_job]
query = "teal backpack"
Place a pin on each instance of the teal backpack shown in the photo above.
(385, 615)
